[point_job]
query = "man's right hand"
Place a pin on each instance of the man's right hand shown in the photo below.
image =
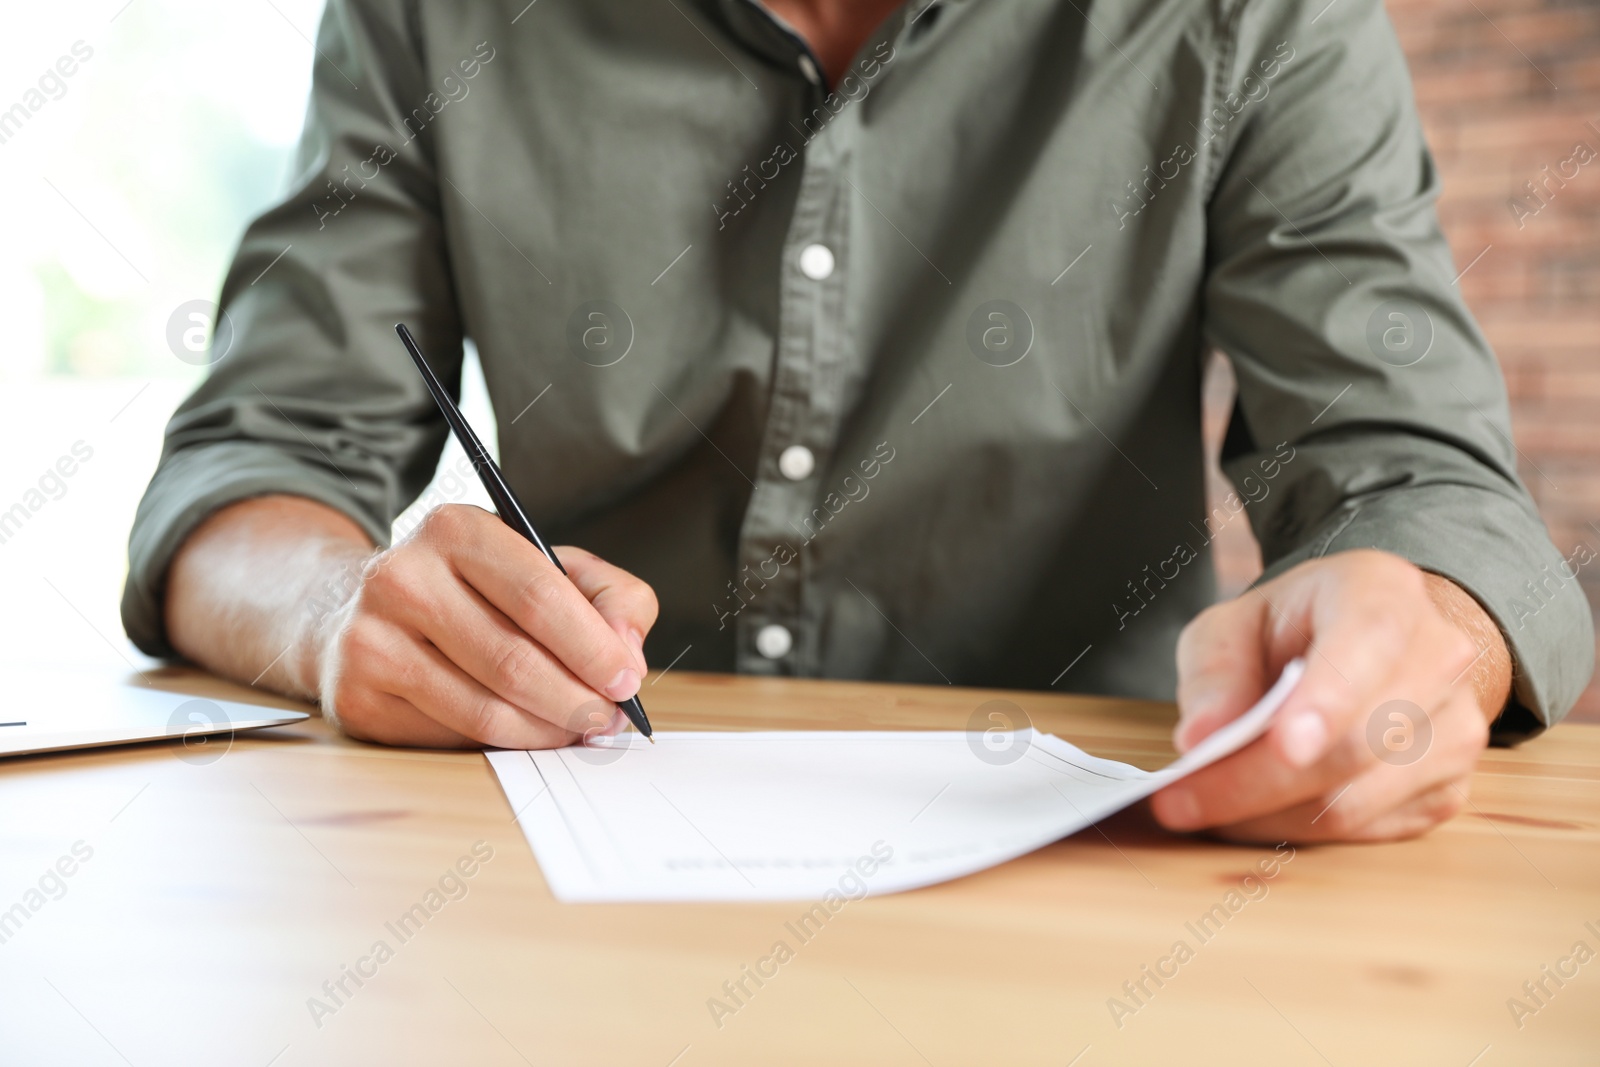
(462, 635)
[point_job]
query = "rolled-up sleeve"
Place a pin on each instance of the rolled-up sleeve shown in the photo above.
(309, 392)
(1334, 294)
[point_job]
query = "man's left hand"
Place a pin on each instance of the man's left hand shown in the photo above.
(1404, 674)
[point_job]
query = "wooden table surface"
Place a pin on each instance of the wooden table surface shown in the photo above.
(222, 890)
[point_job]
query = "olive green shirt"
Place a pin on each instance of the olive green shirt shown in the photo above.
(898, 380)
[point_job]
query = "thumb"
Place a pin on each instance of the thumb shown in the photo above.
(1221, 668)
(625, 602)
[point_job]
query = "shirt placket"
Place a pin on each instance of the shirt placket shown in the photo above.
(780, 629)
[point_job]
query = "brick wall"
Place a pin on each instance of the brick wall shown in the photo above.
(1508, 89)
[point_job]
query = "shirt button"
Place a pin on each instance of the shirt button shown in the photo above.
(816, 262)
(774, 641)
(809, 69)
(796, 462)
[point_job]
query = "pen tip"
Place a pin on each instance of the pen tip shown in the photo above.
(651, 740)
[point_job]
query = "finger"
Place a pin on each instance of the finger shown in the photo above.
(1256, 782)
(1252, 783)
(1221, 668)
(1355, 620)
(443, 691)
(1414, 816)
(627, 604)
(1378, 802)
(380, 655)
(477, 637)
(422, 594)
(515, 577)
(386, 719)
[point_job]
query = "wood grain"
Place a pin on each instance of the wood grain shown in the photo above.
(220, 897)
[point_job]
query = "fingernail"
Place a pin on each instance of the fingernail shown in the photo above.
(624, 685)
(1303, 738)
(1180, 810)
(619, 722)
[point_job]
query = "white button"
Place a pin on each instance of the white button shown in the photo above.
(809, 69)
(816, 262)
(774, 641)
(796, 462)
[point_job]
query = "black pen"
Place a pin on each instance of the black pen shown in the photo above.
(505, 501)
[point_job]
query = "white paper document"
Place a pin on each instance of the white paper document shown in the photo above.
(801, 815)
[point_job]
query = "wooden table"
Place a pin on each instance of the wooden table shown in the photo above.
(219, 896)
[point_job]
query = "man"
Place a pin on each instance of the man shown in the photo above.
(863, 341)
